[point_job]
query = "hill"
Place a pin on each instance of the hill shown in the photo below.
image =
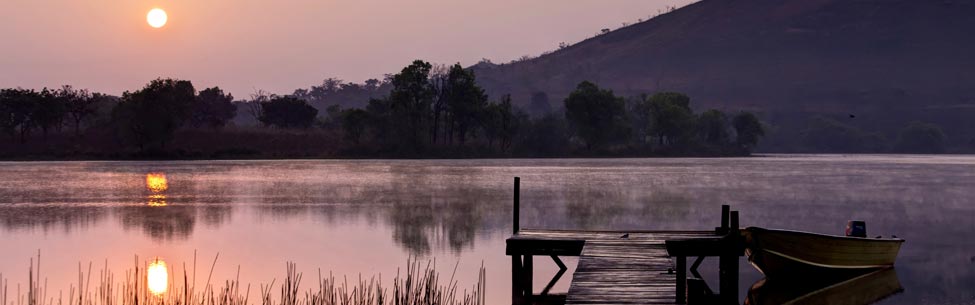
(871, 65)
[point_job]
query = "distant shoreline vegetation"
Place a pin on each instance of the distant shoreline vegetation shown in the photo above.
(425, 111)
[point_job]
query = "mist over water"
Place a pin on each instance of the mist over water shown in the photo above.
(367, 217)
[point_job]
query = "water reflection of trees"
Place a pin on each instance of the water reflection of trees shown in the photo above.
(171, 222)
(161, 223)
(22, 217)
(423, 226)
(162, 211)
(424, 215)
(179, 215)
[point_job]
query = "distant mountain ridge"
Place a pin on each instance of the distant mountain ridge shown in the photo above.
(887, 61)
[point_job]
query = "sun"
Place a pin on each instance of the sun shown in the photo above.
(156, 18)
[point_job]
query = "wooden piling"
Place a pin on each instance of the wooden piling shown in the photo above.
(733, 225)
(517, 295)
(528, 278)
(517, 209)
(728, 264)
(724, 218)
(681, 279)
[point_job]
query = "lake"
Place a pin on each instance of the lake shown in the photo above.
(367, 217)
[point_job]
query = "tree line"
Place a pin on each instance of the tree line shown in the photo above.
(422, 111)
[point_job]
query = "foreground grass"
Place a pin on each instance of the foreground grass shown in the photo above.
(419, 284)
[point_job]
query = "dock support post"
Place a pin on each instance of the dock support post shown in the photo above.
(528, 278)
(517, 208)
(681, 280)
(517, 289)
(728, 265)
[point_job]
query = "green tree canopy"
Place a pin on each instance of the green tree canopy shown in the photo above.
(596, 115)
(671, 118)
(713, 127)
(640, 117)
(748, 129)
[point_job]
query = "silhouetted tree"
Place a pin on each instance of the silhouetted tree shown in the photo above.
(153, 114)
(540, 105)
(500, 123)
(671, 118)
(372, 84)
(213, 108)
(509, 122)
(380, 118)
(333, 91)
(49, 111)
(713, 127)
(333, 117)
(640, 117)
(354, 124)
(922, 138)
(258, 99)
(287, 112)
(748, 129)
(827, 135)
(410, 102)
(439, 76)
(596, 115)
(80, 104)
(16, 109)
(544, 136)
(465, 101)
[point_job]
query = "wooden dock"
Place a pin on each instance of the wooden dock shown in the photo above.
(624, 267)
(612, 269)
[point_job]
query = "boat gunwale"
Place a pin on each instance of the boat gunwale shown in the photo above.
(889, 240)
(807, 262)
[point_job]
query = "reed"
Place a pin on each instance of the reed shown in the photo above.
(418, 284)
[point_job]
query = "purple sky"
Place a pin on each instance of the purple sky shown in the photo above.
(243, 45)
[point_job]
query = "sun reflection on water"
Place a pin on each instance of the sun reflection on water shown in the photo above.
(157, 200)
(157, 184)
(157, 277)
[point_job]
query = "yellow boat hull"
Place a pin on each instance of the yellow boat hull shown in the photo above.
(793, 254)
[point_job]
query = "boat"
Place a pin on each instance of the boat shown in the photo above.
(803, 255)
(863, 289)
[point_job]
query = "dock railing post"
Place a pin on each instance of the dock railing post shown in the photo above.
(725, 210)
(681, 280)
(517, 209)
(728, 263)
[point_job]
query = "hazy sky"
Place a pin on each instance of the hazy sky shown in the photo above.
(243, 45)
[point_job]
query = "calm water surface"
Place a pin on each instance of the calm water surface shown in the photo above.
(368, 217)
